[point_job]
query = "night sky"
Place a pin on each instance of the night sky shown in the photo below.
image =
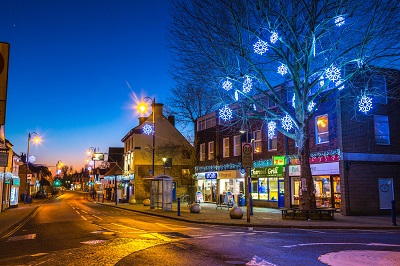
(75, 67)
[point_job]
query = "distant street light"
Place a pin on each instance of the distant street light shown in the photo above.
(142, 107)
(59, 166)
(36, 140)
(164, 160)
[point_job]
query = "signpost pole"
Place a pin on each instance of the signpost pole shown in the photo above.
(247, 163)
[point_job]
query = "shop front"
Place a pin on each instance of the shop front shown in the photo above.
(326, 184)
(216, 185)
(267, 188)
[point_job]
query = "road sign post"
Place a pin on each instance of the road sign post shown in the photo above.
(247, 162)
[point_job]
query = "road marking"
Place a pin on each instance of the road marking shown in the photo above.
(83, 217)
(257, 261)
(128, 227)
(96, 217)
(23, 237)
(363, 244)
(313, 231)
(93, 242)
(23, 223)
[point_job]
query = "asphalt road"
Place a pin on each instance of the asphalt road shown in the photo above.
(71, 231)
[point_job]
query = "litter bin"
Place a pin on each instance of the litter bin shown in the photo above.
(241, 200)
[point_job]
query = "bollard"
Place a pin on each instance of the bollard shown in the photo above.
(179, 206)
(394, 213)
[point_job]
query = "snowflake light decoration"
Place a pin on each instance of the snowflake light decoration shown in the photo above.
(282, 69)
(365, 104)
(225, 113)
(287, 123)
(274, 37)
(236, 95)
(247, 84)
(147, 129)
(321, 82)
(294, 100)
(360, 63)
(333, 73)
(260, 47)
(339, 84)
(339, 21)
(271, 129)
(311, 106)
(227, 85)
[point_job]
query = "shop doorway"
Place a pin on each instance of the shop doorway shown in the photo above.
(281, 194)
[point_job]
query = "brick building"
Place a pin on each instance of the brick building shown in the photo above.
(355, 155)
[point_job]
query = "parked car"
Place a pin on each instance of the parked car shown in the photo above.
(41, 194)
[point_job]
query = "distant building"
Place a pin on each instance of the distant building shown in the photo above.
(169, 144)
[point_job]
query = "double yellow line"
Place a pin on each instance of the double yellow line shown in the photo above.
(23, 223)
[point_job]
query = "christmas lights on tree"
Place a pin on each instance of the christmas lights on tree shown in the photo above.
(287, 123)
(274, 37)
(227, 85)
(282, 69)
(339, 21)
(365, 104)
(333, 73)
(225, 113)
(310, 106)
(147, 129)
(247, 84)
(339, 85)
(271, 129)
(260, 47)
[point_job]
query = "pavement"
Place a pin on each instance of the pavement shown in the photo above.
(261, 217)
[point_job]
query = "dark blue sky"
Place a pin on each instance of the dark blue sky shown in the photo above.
(70, 63)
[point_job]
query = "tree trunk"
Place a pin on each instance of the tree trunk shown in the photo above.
(307, 193)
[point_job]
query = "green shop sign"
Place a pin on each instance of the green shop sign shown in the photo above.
(270, 171)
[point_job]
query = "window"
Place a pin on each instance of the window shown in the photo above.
(237, 149)
(381, 124)
(225, 147)
(273, 143)
(321, 129)
(205, 122)
(211, 150)
(202, 152)
(257, 141)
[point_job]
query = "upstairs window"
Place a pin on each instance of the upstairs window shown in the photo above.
(211, 150)
(321, 129)
(225, 147)
(237, 147)
(273, 143)
(202, 152)
(205, 122)
(381, 125)
(257, 141)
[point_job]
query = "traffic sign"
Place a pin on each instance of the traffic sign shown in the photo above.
(247, 155)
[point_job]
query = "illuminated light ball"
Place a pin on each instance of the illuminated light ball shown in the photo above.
(247, 85)
(260, 47)
(227, 85)
(236, 95)
(147, 129)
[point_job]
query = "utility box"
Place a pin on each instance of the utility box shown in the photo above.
(161, 193)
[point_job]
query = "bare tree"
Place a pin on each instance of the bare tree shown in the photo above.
(312, 49)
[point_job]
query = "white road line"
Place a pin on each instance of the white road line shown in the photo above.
(363, 244)
(313, 231)
(96, 217)
(83, 217)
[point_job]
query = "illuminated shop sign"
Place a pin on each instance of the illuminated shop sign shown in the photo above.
(278, 160)
(211, 175)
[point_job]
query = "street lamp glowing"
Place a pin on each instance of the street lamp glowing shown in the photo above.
(142, 107)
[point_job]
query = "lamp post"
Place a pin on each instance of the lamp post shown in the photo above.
(36, 140)
(142, 108)
(59, 165)
(91, 151)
